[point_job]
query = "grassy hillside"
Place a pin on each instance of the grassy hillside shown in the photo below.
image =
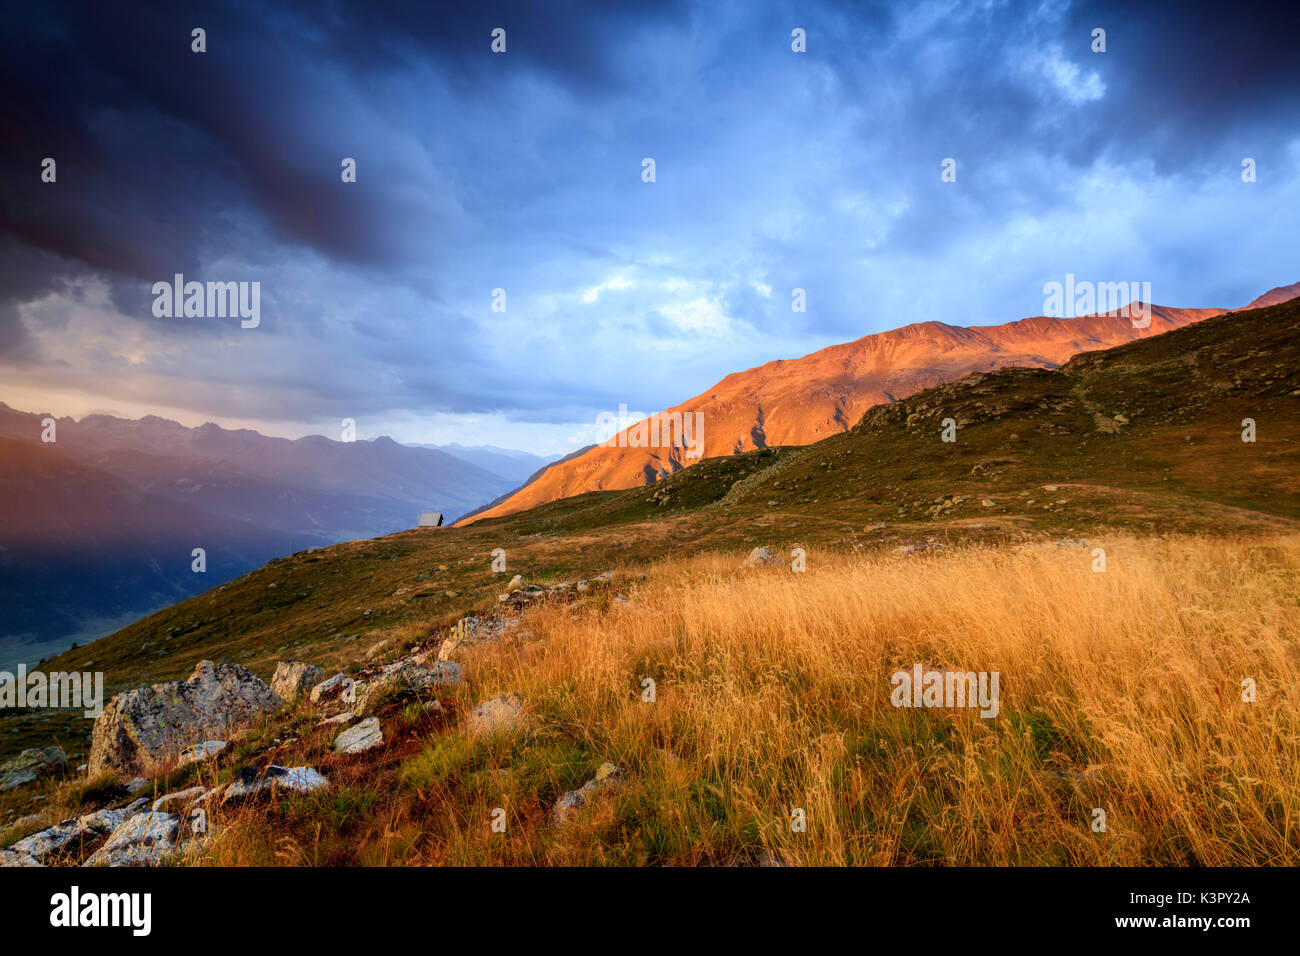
(1129, 445)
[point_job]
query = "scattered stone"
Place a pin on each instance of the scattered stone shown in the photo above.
(326, 688)
(364, 736)
(106, 821)
(142, 728)
(136, 806)
(498, 713)
(759, 556)
(516, 582)
(182, 797)
(50, 841)
(136, 784)
(574, 800)
(403, 679)
(61, 836)
(376, 649)
(9, 858)
(251, 781)
(145, 839)
(988, 503)
(199, 753)
(468, 632)
(342, 718)
(30, 764)
(293, 679)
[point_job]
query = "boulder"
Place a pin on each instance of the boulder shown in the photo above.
(142, 729)
(294, 679)
(146, 838)
(30, 764)
(498, 713)
(364, 736)
(759, 557)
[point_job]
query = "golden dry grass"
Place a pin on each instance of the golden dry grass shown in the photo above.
(1120, 691)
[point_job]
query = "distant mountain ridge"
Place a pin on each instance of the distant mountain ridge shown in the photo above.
(515, 466)
(101, 523)
(800, 401)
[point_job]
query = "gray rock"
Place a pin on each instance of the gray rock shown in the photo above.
(137, 784)
(327, 688)
(142, 729)
(30, 764)
(252, 781)
(498, 713)
(52, 840)
(468, 632)
(63, 836)
(403, 679)
(145, 839)
(606, 777)
(364, 736)
(759, 557)
(343, 718)
(294, 679)
(181, 798)
(201, 752)
(106, 821)
(10, 858)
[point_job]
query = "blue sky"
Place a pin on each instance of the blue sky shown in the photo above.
(523, 171)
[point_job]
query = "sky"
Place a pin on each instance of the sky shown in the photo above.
(523, 171)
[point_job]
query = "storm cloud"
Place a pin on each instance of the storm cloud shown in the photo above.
(522, 171)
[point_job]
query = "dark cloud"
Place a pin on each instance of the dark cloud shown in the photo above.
(521, 171)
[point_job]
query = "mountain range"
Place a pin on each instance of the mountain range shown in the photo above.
(800, 401)
(100, 524)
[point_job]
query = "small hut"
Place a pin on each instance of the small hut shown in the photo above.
(430, 519)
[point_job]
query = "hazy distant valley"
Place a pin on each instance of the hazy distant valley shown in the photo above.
(100, 525)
